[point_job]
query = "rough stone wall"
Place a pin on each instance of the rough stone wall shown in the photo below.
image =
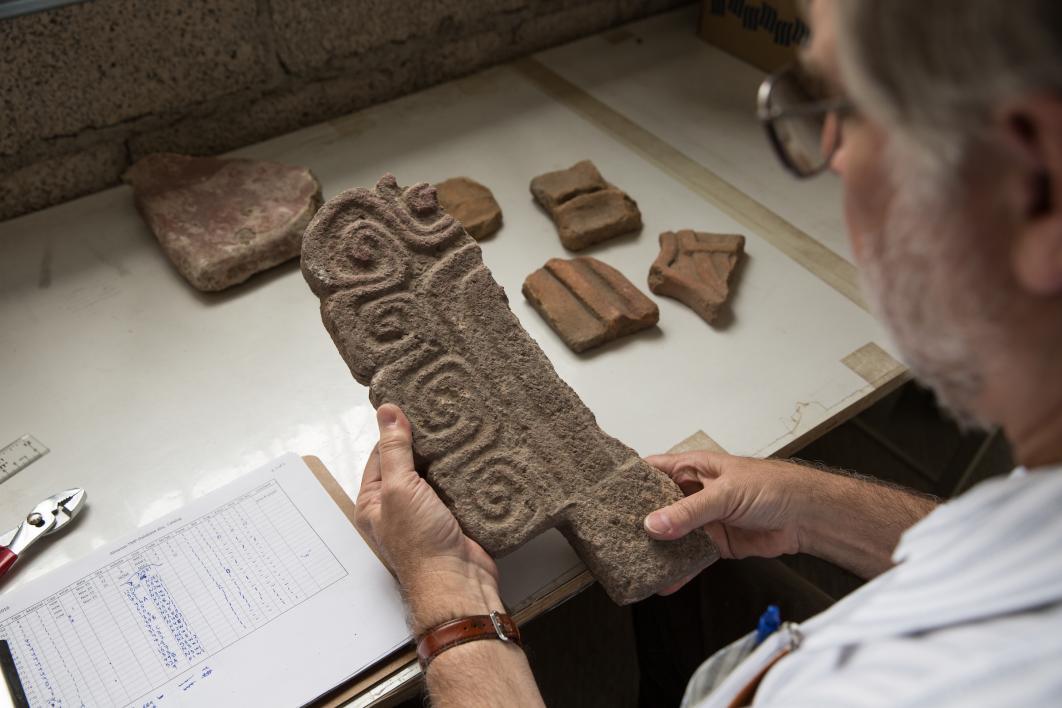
(89, 88)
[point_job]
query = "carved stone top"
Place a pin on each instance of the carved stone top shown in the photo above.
(503, 440)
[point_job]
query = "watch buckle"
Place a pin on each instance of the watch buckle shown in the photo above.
(498, 628)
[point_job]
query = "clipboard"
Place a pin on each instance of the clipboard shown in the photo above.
(190, 606)
(11, 693)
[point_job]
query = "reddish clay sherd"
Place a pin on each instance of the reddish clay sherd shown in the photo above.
(695, 268)
(472, 204)
(220, 221)
(587, 302)
(585, 208)
(505, 442)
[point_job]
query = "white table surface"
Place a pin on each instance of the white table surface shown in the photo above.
(150, 394)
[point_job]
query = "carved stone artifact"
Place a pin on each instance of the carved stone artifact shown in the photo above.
(695, 267)
(220, 221)
(506, 443)
(587, 302)
(585, 208)
(472, 204)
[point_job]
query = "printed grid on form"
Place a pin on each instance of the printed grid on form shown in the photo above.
(116, 636)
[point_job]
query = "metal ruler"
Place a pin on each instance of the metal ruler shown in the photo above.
(15, 456)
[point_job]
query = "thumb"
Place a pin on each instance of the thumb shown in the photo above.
(685, 515)
(396, 444)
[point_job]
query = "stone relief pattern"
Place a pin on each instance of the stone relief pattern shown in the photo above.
(389, 352)
(420, 320)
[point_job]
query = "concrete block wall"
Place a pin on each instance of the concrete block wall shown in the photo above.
(89, 88)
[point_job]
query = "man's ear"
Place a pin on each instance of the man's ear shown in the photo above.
(1034, 126)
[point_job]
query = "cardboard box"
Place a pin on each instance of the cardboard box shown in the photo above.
(765, 33)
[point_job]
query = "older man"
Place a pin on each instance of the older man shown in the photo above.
(944, 121)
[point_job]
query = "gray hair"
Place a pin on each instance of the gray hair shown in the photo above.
(936, 70)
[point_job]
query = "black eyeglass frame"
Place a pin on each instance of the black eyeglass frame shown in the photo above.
(840, 105)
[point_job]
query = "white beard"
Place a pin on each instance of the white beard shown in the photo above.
(928, 280)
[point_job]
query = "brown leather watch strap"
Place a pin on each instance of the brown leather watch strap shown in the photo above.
(496, 625)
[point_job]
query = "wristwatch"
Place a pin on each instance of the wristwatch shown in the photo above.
(496, 625)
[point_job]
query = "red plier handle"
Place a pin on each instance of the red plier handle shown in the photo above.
(7, 559)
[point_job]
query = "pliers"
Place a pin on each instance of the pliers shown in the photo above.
(50, 515)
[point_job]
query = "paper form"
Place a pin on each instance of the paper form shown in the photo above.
(261, 592)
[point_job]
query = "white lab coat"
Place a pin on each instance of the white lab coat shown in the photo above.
(970, 616)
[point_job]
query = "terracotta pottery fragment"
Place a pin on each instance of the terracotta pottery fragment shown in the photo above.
(554, 188)
(585, 208)
(220, 221)
(505, 442)
(695, 267)
(472, 204)
(587, 302)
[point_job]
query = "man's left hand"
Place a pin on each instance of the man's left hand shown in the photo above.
(443, 573)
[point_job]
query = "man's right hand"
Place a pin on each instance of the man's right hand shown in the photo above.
(768, 508)
(748, 507)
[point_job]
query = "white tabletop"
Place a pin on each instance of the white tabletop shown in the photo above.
(150, 394)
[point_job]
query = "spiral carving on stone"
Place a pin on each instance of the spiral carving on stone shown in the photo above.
(392, 323)
(441, 400)
(382, 332)
(358, 257)
(503, 498)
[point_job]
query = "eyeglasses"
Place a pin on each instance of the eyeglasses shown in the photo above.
(802, 124)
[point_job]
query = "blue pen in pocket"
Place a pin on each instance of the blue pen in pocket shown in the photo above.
(768, 624)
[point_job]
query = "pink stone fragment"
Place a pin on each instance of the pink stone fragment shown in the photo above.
(220, 221)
